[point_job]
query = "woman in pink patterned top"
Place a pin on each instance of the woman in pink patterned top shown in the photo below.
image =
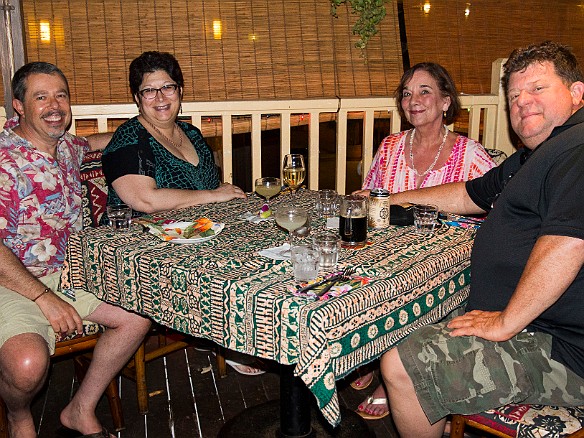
(429, 154)
(425, 156)
(390, 169)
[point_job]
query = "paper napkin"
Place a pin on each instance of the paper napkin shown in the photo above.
(275, 253)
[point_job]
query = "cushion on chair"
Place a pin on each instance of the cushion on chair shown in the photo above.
(528, 421)
(93, 189)
(93, 202)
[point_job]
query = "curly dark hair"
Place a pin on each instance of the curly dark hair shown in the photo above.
(149, 62)
(564, 61)
(19, 78)
(445, 84)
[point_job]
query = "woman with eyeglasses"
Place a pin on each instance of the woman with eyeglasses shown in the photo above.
(155, 162)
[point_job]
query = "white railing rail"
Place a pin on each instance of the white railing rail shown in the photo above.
(486, 121)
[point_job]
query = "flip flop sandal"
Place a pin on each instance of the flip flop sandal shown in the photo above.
(374, 401)
(362, 386)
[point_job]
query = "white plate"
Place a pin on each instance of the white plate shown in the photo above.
(217, 227)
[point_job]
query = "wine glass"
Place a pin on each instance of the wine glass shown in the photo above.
(268, 188)
(294, 171)
(290, 218)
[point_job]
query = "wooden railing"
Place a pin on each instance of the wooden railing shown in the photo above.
(487, 122)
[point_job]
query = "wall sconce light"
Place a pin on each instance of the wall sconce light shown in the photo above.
(467, 10)
(217, 29)
(426, 8)
(253, 37)
(45, 31)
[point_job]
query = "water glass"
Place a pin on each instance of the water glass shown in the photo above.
(327, 203)
(305, 262)
(327, 244)
(425, 218)
(120, 216)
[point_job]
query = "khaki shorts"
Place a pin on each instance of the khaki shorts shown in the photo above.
(19, 315)
(466, 375)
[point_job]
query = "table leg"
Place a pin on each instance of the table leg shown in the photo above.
(291, 416)
(295, 405)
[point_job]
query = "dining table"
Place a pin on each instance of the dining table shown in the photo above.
(223, 290)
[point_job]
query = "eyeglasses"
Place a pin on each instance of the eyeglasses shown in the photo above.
(151, 93)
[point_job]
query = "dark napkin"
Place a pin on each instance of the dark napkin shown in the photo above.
(401, 216)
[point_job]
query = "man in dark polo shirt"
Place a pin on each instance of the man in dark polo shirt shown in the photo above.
(521, 339)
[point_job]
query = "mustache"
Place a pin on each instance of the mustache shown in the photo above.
(54, 113)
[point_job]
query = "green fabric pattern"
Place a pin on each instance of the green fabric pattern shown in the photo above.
(224, 291)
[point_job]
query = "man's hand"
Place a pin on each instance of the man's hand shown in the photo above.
(61, 315)
(486, 325)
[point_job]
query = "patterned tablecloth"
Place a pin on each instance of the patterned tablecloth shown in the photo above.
(224, 291)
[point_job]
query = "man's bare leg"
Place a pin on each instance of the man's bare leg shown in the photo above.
(407, 414)
(115, 347)
(24, 364)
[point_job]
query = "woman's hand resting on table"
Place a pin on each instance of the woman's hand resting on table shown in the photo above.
(226, 192)
(364, 193)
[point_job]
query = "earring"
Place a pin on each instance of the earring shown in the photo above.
(444, 114)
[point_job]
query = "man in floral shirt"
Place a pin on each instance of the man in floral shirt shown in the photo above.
(40, 205)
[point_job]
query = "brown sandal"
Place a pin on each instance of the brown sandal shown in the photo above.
(363, 386)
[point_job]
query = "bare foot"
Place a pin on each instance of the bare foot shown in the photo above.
(85, 422)
(375, 405)
(22, 427)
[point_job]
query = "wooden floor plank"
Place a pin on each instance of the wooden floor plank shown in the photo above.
(216, 400)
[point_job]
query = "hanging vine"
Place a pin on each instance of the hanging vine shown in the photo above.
(370, 13)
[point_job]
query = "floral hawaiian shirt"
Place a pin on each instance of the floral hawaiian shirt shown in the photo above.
(40, 199)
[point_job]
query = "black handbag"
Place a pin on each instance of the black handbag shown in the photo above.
(401, 216)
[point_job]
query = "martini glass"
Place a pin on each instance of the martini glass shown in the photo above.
(294, 171)
(290, 218)
(268, 188)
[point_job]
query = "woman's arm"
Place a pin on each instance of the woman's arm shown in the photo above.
(141, 193)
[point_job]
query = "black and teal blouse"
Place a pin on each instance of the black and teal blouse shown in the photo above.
(134, 151)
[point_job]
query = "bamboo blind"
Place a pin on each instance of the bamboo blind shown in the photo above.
(267, 49)
(467, 45)
(285, 48)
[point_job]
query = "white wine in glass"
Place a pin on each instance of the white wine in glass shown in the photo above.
(268, 187)
(294, 171)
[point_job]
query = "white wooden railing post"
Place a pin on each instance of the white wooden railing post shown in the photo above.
(502, 135)
(313, 150)
(341, 162)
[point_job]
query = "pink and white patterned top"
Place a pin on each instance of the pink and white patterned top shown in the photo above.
(389, 169)
(40, 199)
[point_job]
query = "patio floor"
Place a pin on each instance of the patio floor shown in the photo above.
(187, 398)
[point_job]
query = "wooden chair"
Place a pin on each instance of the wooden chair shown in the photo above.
(511, 421)
(77, 346)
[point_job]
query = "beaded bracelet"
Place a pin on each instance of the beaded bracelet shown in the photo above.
(46, 291)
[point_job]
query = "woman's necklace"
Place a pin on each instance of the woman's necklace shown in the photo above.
(159, 132)
(435, 158)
